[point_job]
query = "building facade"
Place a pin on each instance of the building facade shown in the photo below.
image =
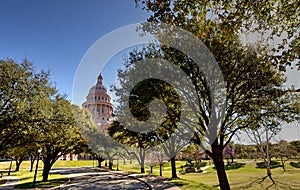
(98, 103)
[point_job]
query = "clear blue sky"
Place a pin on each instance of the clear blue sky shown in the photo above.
(55, 34)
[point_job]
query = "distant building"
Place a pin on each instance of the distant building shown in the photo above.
(98, 103)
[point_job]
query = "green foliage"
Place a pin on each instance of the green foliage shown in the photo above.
(295, 164)
(57, 135)
(100, 144)
(234, 165)
(20, 88)
(254, 74)
(273, 164)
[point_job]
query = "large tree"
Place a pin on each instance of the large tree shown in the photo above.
(20, 86)
(250, 72)
(57, 134)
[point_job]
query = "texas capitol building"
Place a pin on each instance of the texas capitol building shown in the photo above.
(98, 103)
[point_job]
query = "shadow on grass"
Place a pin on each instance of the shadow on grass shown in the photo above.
(190, 184)
(266, 183)
(40, 184)
(2, 181)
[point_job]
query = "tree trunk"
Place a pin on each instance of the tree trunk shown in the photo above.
(18, 163)
(173, 166)
(268, 166)
(142, 167)
(282, 163)
(142, 157)
(160, 169)
(110, 163)
(217, 156)
(100, 160)
(46, 170)
(99, 163)
(31, 163)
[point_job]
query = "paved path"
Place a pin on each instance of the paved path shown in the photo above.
(10, 183)
(92, 178)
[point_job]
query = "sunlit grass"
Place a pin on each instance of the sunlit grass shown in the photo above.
(26, 179)
(246, 177)
(2, 181)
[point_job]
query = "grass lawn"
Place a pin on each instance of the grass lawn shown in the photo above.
(26, 177)
(246, 177)
(2, 181)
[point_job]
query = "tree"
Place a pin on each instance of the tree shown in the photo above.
(295, 145)
(20, 85)
(157, 157)
(140, 141)
(283, 151)
(218, 24)
(58, 134)
(99, 142)
(229, 152)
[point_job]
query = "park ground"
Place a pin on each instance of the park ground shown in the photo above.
(245, 177)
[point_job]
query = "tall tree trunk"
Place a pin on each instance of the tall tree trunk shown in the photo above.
(173, 166)
(99, 163)
(32, 158)
(46, 170)
(18, 163)
(282, 163)
(100, 160)
(110, 163)
(160, 169)
(142, 158)
(217, 156)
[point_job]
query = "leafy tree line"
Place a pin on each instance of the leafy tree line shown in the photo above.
(34, 115)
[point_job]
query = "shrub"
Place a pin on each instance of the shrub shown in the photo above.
(273, 164)
(295, 164)
(234, 165)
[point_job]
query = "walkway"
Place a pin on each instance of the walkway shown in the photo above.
(93, 178)
(10, 183)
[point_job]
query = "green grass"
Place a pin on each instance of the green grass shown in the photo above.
(246, 177)
(2, 181)
(26, 177)
(58, 164)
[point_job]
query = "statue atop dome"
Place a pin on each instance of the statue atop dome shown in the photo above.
(100, 78)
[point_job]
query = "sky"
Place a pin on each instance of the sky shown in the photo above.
(57, 34)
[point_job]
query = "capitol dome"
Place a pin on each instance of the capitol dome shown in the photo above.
(98, 103)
